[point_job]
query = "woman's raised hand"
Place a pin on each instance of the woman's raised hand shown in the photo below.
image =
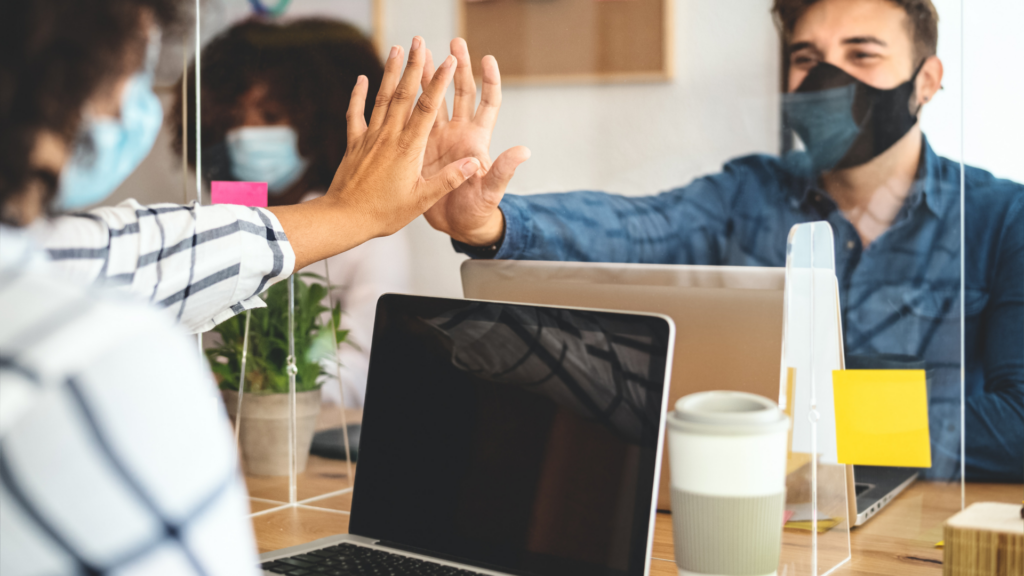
(379, 186)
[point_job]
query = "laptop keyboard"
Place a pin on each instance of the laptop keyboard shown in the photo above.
(352, 560)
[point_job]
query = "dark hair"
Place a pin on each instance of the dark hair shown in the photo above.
(56, 55)
(922, 21)
(308, 67)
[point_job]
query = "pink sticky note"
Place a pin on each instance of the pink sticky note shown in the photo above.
(786, 516)
(241, 193)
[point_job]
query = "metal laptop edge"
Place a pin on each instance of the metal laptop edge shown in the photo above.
(851, 497)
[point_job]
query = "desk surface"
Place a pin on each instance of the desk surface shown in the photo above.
(898, 540)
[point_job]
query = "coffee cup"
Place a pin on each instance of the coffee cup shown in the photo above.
(728, 478)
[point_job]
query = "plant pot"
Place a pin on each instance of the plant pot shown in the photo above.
(264, 435)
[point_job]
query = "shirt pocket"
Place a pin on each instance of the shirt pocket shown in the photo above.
(932, 321)
(915, 320)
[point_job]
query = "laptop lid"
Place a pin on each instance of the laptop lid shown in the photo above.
(519, 438)
(728, 318)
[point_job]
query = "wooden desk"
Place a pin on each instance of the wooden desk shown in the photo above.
(898, 540)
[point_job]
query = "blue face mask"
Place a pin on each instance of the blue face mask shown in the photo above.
(266, 154)
(118, 146)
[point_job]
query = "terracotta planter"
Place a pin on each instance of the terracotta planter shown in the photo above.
(264, 435)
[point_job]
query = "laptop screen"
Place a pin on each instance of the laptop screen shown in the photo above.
(514, 437)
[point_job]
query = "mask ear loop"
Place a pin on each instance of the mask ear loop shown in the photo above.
(153, 46)
(913, 80)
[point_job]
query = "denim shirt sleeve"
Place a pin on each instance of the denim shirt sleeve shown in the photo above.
(994, 418)
(685, 225)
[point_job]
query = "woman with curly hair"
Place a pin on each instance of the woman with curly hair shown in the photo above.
(110, 459)
(273, 110)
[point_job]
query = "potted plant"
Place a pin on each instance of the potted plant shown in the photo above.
(264, 423)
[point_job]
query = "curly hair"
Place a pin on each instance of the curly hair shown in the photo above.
(308, 68)
(922, 20)
(55, 56)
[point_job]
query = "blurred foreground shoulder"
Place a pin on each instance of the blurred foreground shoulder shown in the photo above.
(115, 453)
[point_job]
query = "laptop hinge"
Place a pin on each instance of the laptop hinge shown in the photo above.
(448, 557)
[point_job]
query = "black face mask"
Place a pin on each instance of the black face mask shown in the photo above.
(843, 122)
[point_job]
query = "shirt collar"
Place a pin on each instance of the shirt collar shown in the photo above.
(927, 188)
(18, 251)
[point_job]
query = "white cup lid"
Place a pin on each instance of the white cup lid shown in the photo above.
(727, 412)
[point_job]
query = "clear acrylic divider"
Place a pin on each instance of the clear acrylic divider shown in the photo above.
(816, 537)
(992, 294)
(326, 483)
(282, 358)
(920, 312)
(280, 367)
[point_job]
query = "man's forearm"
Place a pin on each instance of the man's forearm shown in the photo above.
(593, 227)
(994, 433)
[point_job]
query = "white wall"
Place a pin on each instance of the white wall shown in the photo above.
(993, 85)
(723, 102)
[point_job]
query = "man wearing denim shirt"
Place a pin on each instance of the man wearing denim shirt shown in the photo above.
(860, 71)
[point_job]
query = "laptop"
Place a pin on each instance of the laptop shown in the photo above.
(729, 325)
(503, 439)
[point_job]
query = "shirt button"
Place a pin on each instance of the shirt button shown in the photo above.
(850, 244)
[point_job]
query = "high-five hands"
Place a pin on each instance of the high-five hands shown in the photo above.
(470, 214)
(379, 186)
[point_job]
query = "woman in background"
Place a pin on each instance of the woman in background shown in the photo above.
(273, 110)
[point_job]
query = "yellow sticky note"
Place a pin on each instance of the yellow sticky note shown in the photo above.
(882, 417)
(823, 525)
(790, 392)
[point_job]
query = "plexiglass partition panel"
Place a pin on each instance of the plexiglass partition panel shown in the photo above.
(275, 79)
(993, 246)
(817, 500)
(284, 358)
(856, 113)
(899, 264)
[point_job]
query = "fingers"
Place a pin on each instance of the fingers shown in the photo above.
(490, 99)
(404, 96)
(502, 171)
(355, 118)
(448, 179)
(428, 107)
(465, 86)
(392, 72)
(428, 74)
(428, 70)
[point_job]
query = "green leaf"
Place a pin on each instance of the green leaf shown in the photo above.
(268, 339)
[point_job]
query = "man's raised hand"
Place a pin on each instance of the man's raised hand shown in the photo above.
(470, 214)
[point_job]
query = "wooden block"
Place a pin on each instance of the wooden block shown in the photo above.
(985, 539)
